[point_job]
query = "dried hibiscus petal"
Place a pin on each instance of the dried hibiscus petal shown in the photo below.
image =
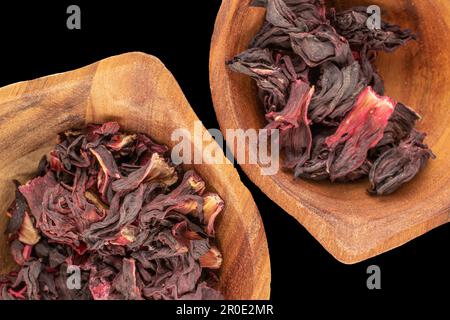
(28, 276)
(20, 252)
(337, 92)
(399, 165)
(270, 78)
(106, 160)
(212, 259)
(156, 169)
(34, 192)
(212, 206)
(125, 282)
(280, 15)
(359, 132)
(56, 222)
(321, 45)
(399, 126)
(17, 212)
(118, 142)
(316, 167)
(108, 128)
(294, 125)
(100, 288)
(285, 16)
(127, 236)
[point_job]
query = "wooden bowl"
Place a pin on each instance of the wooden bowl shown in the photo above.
(351, 225)
(137, 91)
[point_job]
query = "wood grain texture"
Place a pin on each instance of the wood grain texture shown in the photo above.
(351, 225)
(136, 90)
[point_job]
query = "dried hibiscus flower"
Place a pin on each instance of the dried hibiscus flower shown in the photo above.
(113, 206)
(314, 69)
(321, 45)
(359, 132)
(399, 126)
(338, 90)
(399, 165)
(272, 81)
(287, 16)
(293, 123)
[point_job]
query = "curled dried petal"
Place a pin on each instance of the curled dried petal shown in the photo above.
(399, 165)
(212, 259)
(17, 214)
(118, 142)
(359, 132)
(294, 125)
(212, 207)
(156, 170)
(321, 45)
(106, 160)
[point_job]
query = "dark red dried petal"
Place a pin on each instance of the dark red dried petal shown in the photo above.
(321, 45)
(125, 282)
(359, 132)
(18, 213)
(106, 161)
(108, 128)
(34, 192)
(156, 169)
(399, 165)
(294, 125)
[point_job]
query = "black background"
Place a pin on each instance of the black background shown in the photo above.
(35, 42)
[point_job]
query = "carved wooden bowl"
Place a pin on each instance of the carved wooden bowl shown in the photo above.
(351, 225)
(137, 91)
